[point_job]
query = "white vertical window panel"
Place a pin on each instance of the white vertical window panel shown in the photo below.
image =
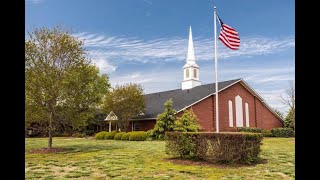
(247, 114)
(239, 112)
(230, 114)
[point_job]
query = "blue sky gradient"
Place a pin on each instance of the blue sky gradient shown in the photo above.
(145, 41)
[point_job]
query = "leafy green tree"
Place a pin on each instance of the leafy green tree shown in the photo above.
(126, 101)
(165, 121)
(61, 84)
(289, 120)
(188, 122)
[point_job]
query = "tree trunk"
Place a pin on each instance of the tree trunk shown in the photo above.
(50, 131)
(50, 139)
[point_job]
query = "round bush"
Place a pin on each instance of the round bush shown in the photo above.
(110, 135)
(100, 135)
(119, 135)
(138, 136)
(126, 136)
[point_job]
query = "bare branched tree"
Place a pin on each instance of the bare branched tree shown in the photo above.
(289, 100)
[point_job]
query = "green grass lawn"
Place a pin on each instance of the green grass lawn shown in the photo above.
(111, 159)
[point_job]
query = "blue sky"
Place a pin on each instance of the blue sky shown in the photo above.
(145, 41)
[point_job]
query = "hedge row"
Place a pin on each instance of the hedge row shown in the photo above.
(282, 132)
(249, 129)
(275, 132)
(119, 135)
(215, 147)
(131, 136)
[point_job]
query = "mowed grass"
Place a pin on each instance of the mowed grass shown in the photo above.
(111, 159)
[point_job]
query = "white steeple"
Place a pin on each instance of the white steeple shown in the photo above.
(190, 56)
(190, 69)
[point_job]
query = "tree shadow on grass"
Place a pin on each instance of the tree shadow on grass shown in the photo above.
(77, 148)
(196, 162)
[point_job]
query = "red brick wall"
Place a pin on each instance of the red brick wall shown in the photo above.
(230, 94)
(204, 111)
(145, 125)
(260, 117)
(265, 118)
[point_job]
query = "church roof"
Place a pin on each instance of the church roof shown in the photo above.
(181, 98)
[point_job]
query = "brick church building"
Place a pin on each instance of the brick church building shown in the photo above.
(239, 104)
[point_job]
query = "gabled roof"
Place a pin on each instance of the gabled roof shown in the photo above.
(181, 98)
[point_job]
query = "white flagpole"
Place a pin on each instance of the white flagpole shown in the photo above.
(216, 67)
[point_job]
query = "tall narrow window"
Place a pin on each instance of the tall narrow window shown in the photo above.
(187, 73)
(239, 112)
(194, 73)
(247, 114)
(230, 114)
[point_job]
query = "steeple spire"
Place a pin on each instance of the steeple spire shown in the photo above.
(190, 56)
(191, 68)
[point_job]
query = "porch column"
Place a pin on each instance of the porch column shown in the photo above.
(109, 126)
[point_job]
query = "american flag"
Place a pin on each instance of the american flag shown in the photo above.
(229, 36)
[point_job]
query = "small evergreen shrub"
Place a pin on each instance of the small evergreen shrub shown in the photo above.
(110, 135)
(249, 129)
(165, 121)
(119, 135)
(188, 122)
(215, 147)
(100, 135)
(282, 132)
(138, 136)
(126, 136)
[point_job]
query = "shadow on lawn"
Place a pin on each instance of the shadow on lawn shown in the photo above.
(195, 162)
(77, 148)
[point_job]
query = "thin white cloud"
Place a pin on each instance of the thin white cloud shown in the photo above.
(33, 1)
(104, 66)
(175, 48)
(109, 52)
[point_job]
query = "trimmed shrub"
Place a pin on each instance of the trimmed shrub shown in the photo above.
(119, 135)
(110, 135)
(215, 147)
(138, 136)
(249, 129)
(267, 133)
(282, 132)
(126, 136)
(100, 135)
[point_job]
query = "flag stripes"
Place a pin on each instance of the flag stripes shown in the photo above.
(229, 36)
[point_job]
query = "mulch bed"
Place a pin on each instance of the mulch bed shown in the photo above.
(47, 150)
(203, 163)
